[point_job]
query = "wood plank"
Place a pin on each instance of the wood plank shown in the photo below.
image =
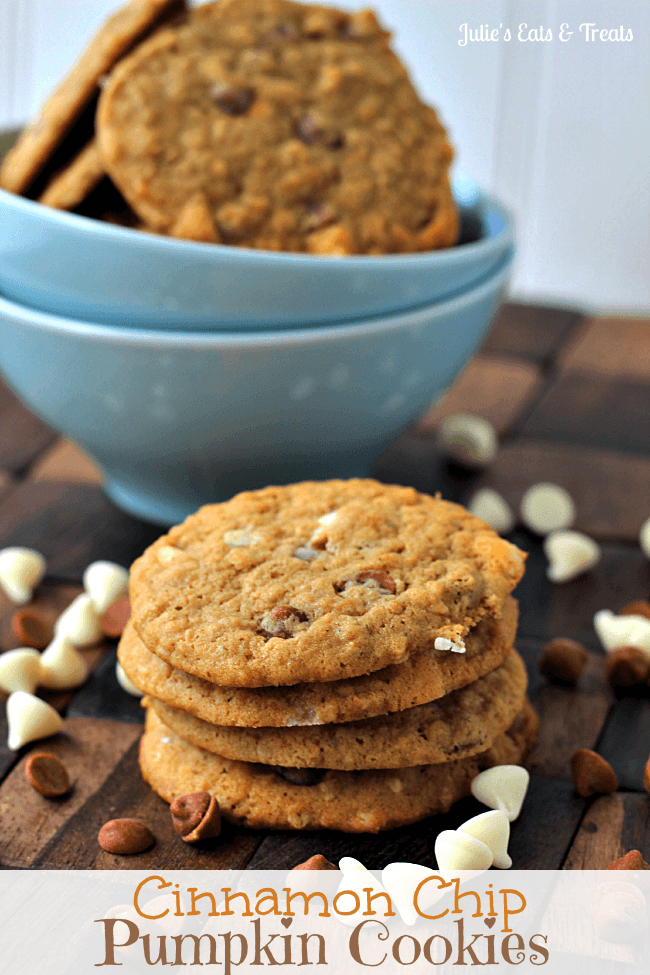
(495, 388)
(541, 835)
(124, 794)
(22, 436)
(611, 827)
(89, 749)
(622, 575)
(64, 461)
(589, 410)
(571, 717)
(617, 347)
(548, 610)
(102, 697)
(529, 331)
(610, 488)
(72, 525)
(625, 742)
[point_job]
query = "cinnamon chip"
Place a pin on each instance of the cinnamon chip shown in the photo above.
(592, 774)
(317, 862)
(116, 617)
(631, 861)
(563, 659)
(638, 608)
(47, 774)
(627, 667)
(31, 629)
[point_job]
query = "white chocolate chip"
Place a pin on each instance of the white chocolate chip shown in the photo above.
(306, 553)
(488, 505)
(19, 670)
(240, 539)
(644, 538)
(460, 851)
(569, 554)
(441, 643)
(125, 681)
(349, 863)
(469, 440)
(493, 829)
(396, 785)
(167, 553)
(62, 666)
(546, 508)
(320, 535)
(29, 719)
(328, 518)
(503, 787)
(21, 570)
(401, 880)
(622, 631)
(80, 622)
(105, 583)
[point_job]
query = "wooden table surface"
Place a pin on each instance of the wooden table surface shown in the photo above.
(570, 398)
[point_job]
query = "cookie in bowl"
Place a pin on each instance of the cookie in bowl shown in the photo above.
(282, 126)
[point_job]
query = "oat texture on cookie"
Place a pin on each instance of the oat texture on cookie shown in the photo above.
(461, 724)
(282, 126)
(261, 614)
(355, 802)
(427, 676)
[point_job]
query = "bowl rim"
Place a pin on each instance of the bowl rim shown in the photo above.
(221, 339)
(89, 227)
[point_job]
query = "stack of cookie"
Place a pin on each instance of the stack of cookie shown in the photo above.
(334, 654)
(255, 123)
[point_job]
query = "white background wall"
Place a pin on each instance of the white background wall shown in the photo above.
(559, 130)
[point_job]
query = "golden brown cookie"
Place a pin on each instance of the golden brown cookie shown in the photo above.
(355, 802)
(39, 140)
(424, 677)
(460, 724)
(278, 125)
(71, 185)
(317, 581)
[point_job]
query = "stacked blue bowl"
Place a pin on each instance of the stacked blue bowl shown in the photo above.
(192, 371)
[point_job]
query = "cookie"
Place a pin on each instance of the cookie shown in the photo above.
(460, 724)
(355, 802)
(282, 126)
(317, 581)
(425, 677)
(39, 140)
(68, 188)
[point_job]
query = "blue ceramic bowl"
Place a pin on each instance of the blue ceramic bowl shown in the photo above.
(178, 419)
(82, 268)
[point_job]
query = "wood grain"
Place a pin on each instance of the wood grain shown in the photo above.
(570, 718)
(72, 525)
(89, 749)
(612, 347)
(124, 794)
(495, 388)
(584, 409)
(610, 488)
(64, 461)
(612, 826)
(625, 742)
(529, 331)
(22, 436)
